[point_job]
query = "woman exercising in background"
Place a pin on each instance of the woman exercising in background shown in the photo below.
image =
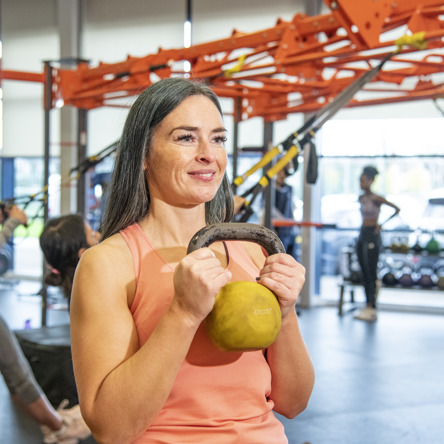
(63, 240)
(369, 240)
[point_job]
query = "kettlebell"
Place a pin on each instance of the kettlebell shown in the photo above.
(426, 278)
(432, 246)
(417, 247)
(403, 247)
(388, 277)
(246, 315)
(405, 277)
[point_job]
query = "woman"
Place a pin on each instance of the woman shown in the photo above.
(145, 369)
(63, 241)
(369, 240)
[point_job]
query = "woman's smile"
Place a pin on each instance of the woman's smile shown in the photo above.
(205, 175)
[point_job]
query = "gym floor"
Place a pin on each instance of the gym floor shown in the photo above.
(375, 383)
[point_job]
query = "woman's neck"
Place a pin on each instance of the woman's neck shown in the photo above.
(170, 231)
(168, 226)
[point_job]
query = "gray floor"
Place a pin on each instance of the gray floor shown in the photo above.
(375, 383)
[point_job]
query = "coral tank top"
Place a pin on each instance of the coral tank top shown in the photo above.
(218, 397)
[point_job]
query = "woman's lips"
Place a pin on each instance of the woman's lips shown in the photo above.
(203, 175)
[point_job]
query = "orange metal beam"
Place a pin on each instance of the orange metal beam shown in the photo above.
(22, 76)
(294, 66)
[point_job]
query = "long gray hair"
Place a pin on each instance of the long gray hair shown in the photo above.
(128, 200)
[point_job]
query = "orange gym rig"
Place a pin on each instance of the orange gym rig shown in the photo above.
(296, 66)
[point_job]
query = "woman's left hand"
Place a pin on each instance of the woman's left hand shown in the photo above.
(285, 277)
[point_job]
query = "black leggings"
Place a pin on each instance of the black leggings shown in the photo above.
(368, 247)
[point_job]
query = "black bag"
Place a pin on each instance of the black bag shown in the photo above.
(48, 351)
(312, 167)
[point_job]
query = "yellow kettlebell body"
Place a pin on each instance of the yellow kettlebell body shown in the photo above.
(246, 316)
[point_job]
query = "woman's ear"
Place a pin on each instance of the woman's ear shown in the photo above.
(81, 251)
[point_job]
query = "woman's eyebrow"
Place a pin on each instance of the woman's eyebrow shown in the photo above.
(195, 128)
(220, 130)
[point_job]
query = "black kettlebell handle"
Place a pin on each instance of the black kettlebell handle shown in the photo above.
(237, 231)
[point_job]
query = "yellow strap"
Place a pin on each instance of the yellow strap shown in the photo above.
(265, 159)
(292, 152)
(416, 40)
(263, 182)
(236, 68)
(239, 180)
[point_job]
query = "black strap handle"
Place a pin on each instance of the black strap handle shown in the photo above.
(237, 231)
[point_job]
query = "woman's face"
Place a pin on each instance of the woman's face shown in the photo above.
(280, 177)
(365, 182)
(187, 159)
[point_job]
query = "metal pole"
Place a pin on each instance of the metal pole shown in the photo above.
(310, 193)
(237, 118)
(47, 131)
(269, 191)
(82, 182)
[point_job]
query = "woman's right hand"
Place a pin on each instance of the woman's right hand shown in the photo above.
(197, 281)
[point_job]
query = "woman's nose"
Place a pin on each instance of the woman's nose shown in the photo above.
(206, 153)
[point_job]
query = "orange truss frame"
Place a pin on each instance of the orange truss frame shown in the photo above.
(294, 66)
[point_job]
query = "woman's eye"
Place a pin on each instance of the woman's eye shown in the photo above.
(190, 138)
(220, 139)
(186, 138)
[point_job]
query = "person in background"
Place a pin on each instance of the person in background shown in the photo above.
(64, 425)
(58, 426)
(14, 217)
(63, 240)
(284, 208)
(369, 241)
(145, 368)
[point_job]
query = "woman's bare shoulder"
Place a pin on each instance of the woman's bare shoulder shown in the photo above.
(379, 199)
(113, 251)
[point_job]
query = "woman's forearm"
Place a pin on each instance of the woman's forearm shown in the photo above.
(291, 368)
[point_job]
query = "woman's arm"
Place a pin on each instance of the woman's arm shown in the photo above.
(383, 201)
(122, 386)
(16, 217)
(291, 367)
